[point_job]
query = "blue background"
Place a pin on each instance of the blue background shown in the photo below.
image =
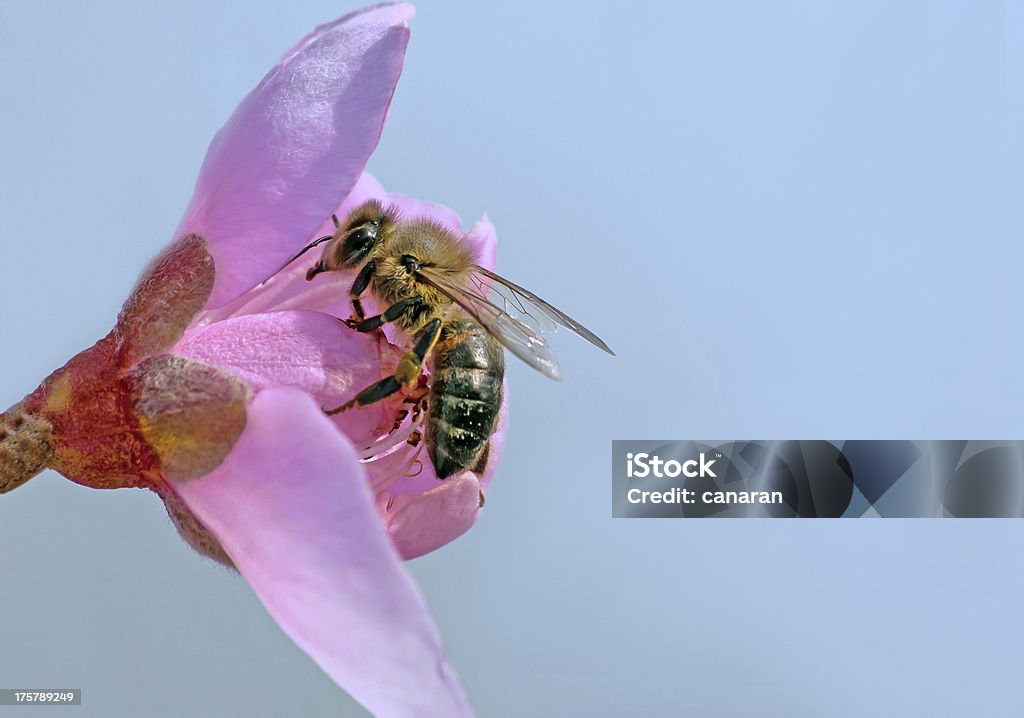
(790, 219)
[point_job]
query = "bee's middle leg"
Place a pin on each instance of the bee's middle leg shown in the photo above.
(407, 373)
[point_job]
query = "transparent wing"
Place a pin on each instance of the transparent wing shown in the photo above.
(517, 299)
(511, 314)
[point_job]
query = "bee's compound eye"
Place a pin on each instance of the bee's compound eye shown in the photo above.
(363, 236)
(358, 243)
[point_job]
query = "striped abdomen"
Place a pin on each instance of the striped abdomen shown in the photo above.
(466, 370)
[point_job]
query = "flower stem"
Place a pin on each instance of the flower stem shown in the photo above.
(26, 447)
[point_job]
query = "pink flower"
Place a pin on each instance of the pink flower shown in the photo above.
(209, 390)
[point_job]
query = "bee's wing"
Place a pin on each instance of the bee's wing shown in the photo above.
(513, 315)
(518, 337)
(525, 300)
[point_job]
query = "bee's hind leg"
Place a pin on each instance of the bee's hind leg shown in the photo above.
(370, 395)
(406, 375)
(417, 399)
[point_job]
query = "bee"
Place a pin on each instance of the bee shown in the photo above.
(459, 316)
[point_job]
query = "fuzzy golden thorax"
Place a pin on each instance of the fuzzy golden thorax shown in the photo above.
(431, 245)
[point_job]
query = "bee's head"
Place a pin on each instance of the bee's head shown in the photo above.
(354, 238)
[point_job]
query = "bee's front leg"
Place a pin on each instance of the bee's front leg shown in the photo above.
(358, 287)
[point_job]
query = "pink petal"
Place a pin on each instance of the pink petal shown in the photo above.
(296, 145)
(420, 523)
(484, 241)
(310, 351)
(423, 514)
(291, 507)
(481, 238)
(412, 208)
(367, 188)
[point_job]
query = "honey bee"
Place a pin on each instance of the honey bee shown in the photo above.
(459, 316)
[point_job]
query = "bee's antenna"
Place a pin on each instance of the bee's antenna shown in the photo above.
(305, 249)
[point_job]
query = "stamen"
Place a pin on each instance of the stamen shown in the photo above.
(386, 445)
